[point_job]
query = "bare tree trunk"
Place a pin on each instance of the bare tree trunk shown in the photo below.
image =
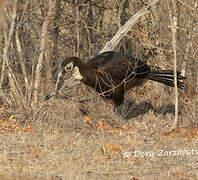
(173, 22)
(56, 24)
(196, 30)
(192, 65)
(21, 55)
(42, 52)
(52, 54)
(2, 6)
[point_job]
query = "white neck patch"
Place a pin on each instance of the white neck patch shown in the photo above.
(77, 74)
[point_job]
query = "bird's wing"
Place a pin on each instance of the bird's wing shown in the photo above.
(119, 66)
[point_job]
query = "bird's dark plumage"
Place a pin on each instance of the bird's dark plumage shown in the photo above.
(111, 74)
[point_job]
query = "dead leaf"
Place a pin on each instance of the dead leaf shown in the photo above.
(12, 119)
(28, 128)
(87, 119)
(196, 132)
(112, 149)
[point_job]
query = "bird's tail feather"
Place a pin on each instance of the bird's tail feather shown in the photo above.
(167, 77)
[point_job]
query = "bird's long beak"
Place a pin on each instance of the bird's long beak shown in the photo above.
(62, 85)
(72, 81)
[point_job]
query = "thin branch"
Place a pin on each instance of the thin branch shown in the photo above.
(173, 22)
(19, 49)
(77, 31)
(2, 6)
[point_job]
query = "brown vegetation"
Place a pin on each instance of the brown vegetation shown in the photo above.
(53, 139)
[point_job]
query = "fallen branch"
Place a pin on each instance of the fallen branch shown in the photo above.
(110, 45)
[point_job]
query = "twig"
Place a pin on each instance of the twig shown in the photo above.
(77, 31)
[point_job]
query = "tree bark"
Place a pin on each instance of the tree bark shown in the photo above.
(42, 52)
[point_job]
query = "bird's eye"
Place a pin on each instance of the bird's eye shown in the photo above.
(69, 66)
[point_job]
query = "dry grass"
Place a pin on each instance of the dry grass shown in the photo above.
(58, 142)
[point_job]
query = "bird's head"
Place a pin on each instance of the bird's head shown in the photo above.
(71, 67)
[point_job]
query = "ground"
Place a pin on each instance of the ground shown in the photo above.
(57, 142)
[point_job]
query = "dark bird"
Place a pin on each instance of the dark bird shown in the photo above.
(111, 74)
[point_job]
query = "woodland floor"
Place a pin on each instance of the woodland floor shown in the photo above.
(57, 142)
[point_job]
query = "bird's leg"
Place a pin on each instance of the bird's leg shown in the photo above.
(118, 96)
(125, 108)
